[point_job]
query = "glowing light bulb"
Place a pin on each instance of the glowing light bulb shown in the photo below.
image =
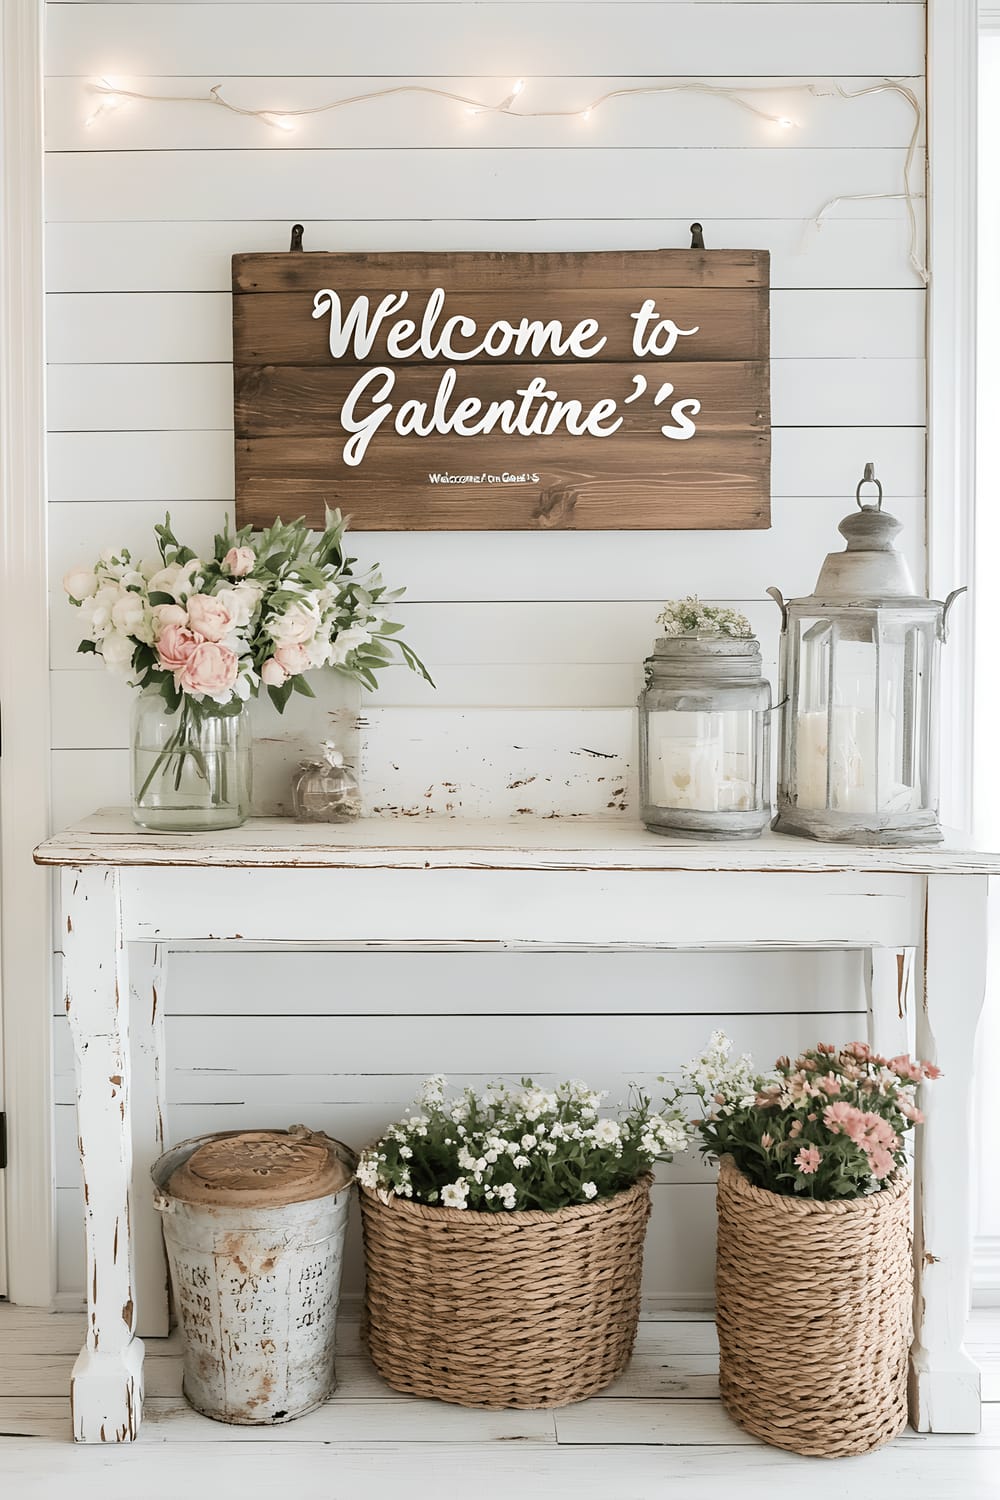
(472, 110)
(109, 100)
(282, 122)
(585, 114)
(519, 85)
(785, 122)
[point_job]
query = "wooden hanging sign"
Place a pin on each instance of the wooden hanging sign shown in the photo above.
(475, 392)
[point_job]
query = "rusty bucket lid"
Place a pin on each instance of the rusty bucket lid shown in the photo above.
(263, 1168)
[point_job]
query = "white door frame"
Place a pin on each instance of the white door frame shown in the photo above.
(24, 768)
(952, 88)
(26, 957)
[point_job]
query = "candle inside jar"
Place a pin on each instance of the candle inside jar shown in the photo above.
(690, 770)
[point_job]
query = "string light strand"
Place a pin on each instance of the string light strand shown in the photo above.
(111, 96)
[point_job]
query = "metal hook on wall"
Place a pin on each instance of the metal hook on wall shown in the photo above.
(697, 236)
(297, 232)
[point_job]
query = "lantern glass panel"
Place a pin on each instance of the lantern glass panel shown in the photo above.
(861, 740)
(704, 761)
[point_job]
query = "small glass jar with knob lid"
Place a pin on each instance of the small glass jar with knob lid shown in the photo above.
(325, 789)
(704, 727)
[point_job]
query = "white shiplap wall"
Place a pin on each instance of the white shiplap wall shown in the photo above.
(526, 633)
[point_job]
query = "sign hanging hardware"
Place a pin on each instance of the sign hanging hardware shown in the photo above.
(697, 236)
(297, 232)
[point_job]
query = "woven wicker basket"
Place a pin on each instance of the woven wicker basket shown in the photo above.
(527, 1309)
(813, 1304)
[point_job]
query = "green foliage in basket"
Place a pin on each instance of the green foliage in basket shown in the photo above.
(522, 1147)
(831, 1124)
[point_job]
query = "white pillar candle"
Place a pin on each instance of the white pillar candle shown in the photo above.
(689, 772)
(851, 757)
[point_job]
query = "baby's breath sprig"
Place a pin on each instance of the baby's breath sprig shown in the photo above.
(691, 616)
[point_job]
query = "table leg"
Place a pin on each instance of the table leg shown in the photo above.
(106, 1390)
(944, 1381)
(148, 984)
(889, 989)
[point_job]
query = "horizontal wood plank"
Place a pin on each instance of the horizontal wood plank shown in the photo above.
(488, 183)
(418, 118)
(588, 1472)
(852, 249)
(580, 486)
(496, 273)
(179, 397)
(279, 328)
(175, 466)
(191, 327)
(748, 39)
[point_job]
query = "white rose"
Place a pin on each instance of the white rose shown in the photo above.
(117, 652)
(346, 642)
(243, 601)
(162, 582)
(80, 583)
(129, 616)
(296, 627)
(98, 608)
(176, 580)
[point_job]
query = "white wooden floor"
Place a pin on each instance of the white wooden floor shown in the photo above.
(659, 1431)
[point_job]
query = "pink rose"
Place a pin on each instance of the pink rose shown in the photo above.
(239, 561)
(210, 668)
(272, 673)
(293, 658)
(211, 615)
(176, 646)
(168, 614)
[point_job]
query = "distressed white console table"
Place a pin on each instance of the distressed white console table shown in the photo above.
(920, 915)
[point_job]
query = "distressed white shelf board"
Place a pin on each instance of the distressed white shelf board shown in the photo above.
(109, 837)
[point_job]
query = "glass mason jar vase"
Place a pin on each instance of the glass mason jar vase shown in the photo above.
(191, 770)
(704, 738)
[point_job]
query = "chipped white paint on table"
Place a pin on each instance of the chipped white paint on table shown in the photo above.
(919, 914)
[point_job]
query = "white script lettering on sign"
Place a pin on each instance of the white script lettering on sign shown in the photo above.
(537, 410)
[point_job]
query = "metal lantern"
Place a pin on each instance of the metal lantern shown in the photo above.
(859, 668)
(704, 738)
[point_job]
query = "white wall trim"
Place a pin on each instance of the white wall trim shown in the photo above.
(952, 79)
(986, 1271)
(24, 767)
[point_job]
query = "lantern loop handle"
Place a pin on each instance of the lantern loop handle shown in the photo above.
(779, 600)
(955, 594)
(868, 477)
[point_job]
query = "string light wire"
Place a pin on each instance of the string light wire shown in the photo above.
(111, 96)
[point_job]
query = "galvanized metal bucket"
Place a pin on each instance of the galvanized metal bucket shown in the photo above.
(254, 1224)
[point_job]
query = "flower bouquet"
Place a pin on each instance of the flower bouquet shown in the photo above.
(813, 1239)
(201, 636)
(503, 1242)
